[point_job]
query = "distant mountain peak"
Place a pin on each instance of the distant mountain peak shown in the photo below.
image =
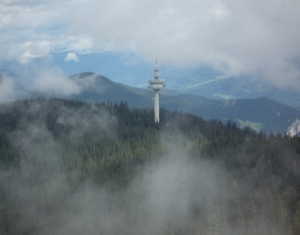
(85, 74)
(91, 78)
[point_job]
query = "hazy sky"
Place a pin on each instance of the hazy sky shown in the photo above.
(258, 37)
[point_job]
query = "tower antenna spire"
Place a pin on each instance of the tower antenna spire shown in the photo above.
(156, 85)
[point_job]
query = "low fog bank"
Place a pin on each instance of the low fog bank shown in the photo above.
(165, 195)
(40, 80)
(168, 193)
(174, 193)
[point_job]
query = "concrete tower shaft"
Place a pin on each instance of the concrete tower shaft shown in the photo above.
(156, 85)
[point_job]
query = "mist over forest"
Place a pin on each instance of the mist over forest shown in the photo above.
(69, 167)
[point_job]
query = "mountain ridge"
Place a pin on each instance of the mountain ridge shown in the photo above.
(260, 113)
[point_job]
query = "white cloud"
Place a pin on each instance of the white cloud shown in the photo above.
(55, 83)
(71, 57)
(34, 50)
(31, 29)
(8, 90)
(258, 37)
(83, 44)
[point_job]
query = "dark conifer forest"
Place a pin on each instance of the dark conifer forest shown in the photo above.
(69, 167)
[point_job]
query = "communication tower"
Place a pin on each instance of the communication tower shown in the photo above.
(156, 85)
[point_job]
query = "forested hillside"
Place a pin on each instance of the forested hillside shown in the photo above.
(69, 167)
